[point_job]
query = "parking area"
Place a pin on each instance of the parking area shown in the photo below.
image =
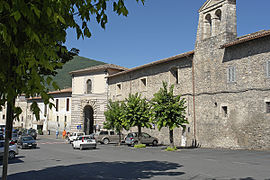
(55, 159)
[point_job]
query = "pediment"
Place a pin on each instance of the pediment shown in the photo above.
(209, 4)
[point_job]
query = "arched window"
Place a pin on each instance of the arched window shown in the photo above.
(208, 26)
(218, 14)
(89, 86)
(217, 21)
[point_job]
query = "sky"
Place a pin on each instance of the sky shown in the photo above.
(158, 29)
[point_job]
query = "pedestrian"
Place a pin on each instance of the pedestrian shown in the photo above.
(57, 133)
(64, 134)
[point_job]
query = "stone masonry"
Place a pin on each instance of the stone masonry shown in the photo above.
(225, 81)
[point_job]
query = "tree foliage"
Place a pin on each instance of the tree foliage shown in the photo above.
(115, 117)
(168, 110)
(32, 34)
(137, 113)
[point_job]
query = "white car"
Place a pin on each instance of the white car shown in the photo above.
(74, 136)
(13, 149)
(84, 142)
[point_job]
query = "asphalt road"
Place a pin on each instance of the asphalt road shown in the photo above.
(54, 159)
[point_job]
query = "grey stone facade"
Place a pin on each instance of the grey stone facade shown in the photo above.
(225, 81)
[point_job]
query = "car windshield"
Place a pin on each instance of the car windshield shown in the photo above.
(27, 138)
(86, 137)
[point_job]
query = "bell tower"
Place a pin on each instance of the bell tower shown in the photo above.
(217, 18)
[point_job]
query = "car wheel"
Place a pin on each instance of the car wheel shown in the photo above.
(81, 147)
(73, 146)
(135, 143)
(106, 141)
(155, 143)
(11, 155)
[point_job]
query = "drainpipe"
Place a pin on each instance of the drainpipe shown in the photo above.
(193, 89)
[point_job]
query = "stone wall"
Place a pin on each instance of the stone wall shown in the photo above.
(246, 124)
(97, 101)
(155, 75)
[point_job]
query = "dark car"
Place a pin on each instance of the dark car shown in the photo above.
(15, 137)
(132, 139)
(26, 142)
(33, 133)
(28, 132)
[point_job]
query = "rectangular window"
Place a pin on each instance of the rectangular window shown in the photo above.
(267, 107)
(57, 120)
(56, 104)
(231, 74)
(143, 84)
(65, 123)
(174, 72)
(225, 111)
(3, 117)
(268, 69)
(118, 88)
(67, 107)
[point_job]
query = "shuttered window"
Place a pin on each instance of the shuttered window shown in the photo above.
(231, 74)
(268, 69)
(267, 107)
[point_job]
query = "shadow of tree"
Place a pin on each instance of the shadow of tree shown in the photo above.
(13, 161)
(103, 170)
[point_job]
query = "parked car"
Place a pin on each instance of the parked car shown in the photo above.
(132, 139)
(84, 142)
(15, 137)
(105, 137)
(2, 137)
(26, 142)
(74, 136)
(28, 132)
(13, 149)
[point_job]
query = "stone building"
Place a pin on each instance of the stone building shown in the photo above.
(225, 81)
(90, 97)
(80, 108)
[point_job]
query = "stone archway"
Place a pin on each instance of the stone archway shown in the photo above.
(88, 124)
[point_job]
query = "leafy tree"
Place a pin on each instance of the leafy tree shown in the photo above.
(32, 34)
(114, 117)
(168, 110)
(137, 113)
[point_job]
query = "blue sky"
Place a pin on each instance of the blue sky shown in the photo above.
(157, 30)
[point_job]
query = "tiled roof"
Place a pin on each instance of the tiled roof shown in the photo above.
(68, 90)
(247, 38)
(154, 63)
(99, 67)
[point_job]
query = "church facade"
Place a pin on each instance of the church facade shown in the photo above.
(225, 81)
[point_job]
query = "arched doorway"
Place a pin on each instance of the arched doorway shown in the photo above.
(88, 125)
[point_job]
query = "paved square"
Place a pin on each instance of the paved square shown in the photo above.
(54, 159)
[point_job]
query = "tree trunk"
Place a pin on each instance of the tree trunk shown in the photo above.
(139, 134)
(8, 135)
(120, 139)
(171, 139)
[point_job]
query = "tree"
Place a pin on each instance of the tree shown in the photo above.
(137, 113)
(114, 117)
(32, 34)
(168, 110)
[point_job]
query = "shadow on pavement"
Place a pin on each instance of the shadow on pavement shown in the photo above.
(13, 161)
(103, 170)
